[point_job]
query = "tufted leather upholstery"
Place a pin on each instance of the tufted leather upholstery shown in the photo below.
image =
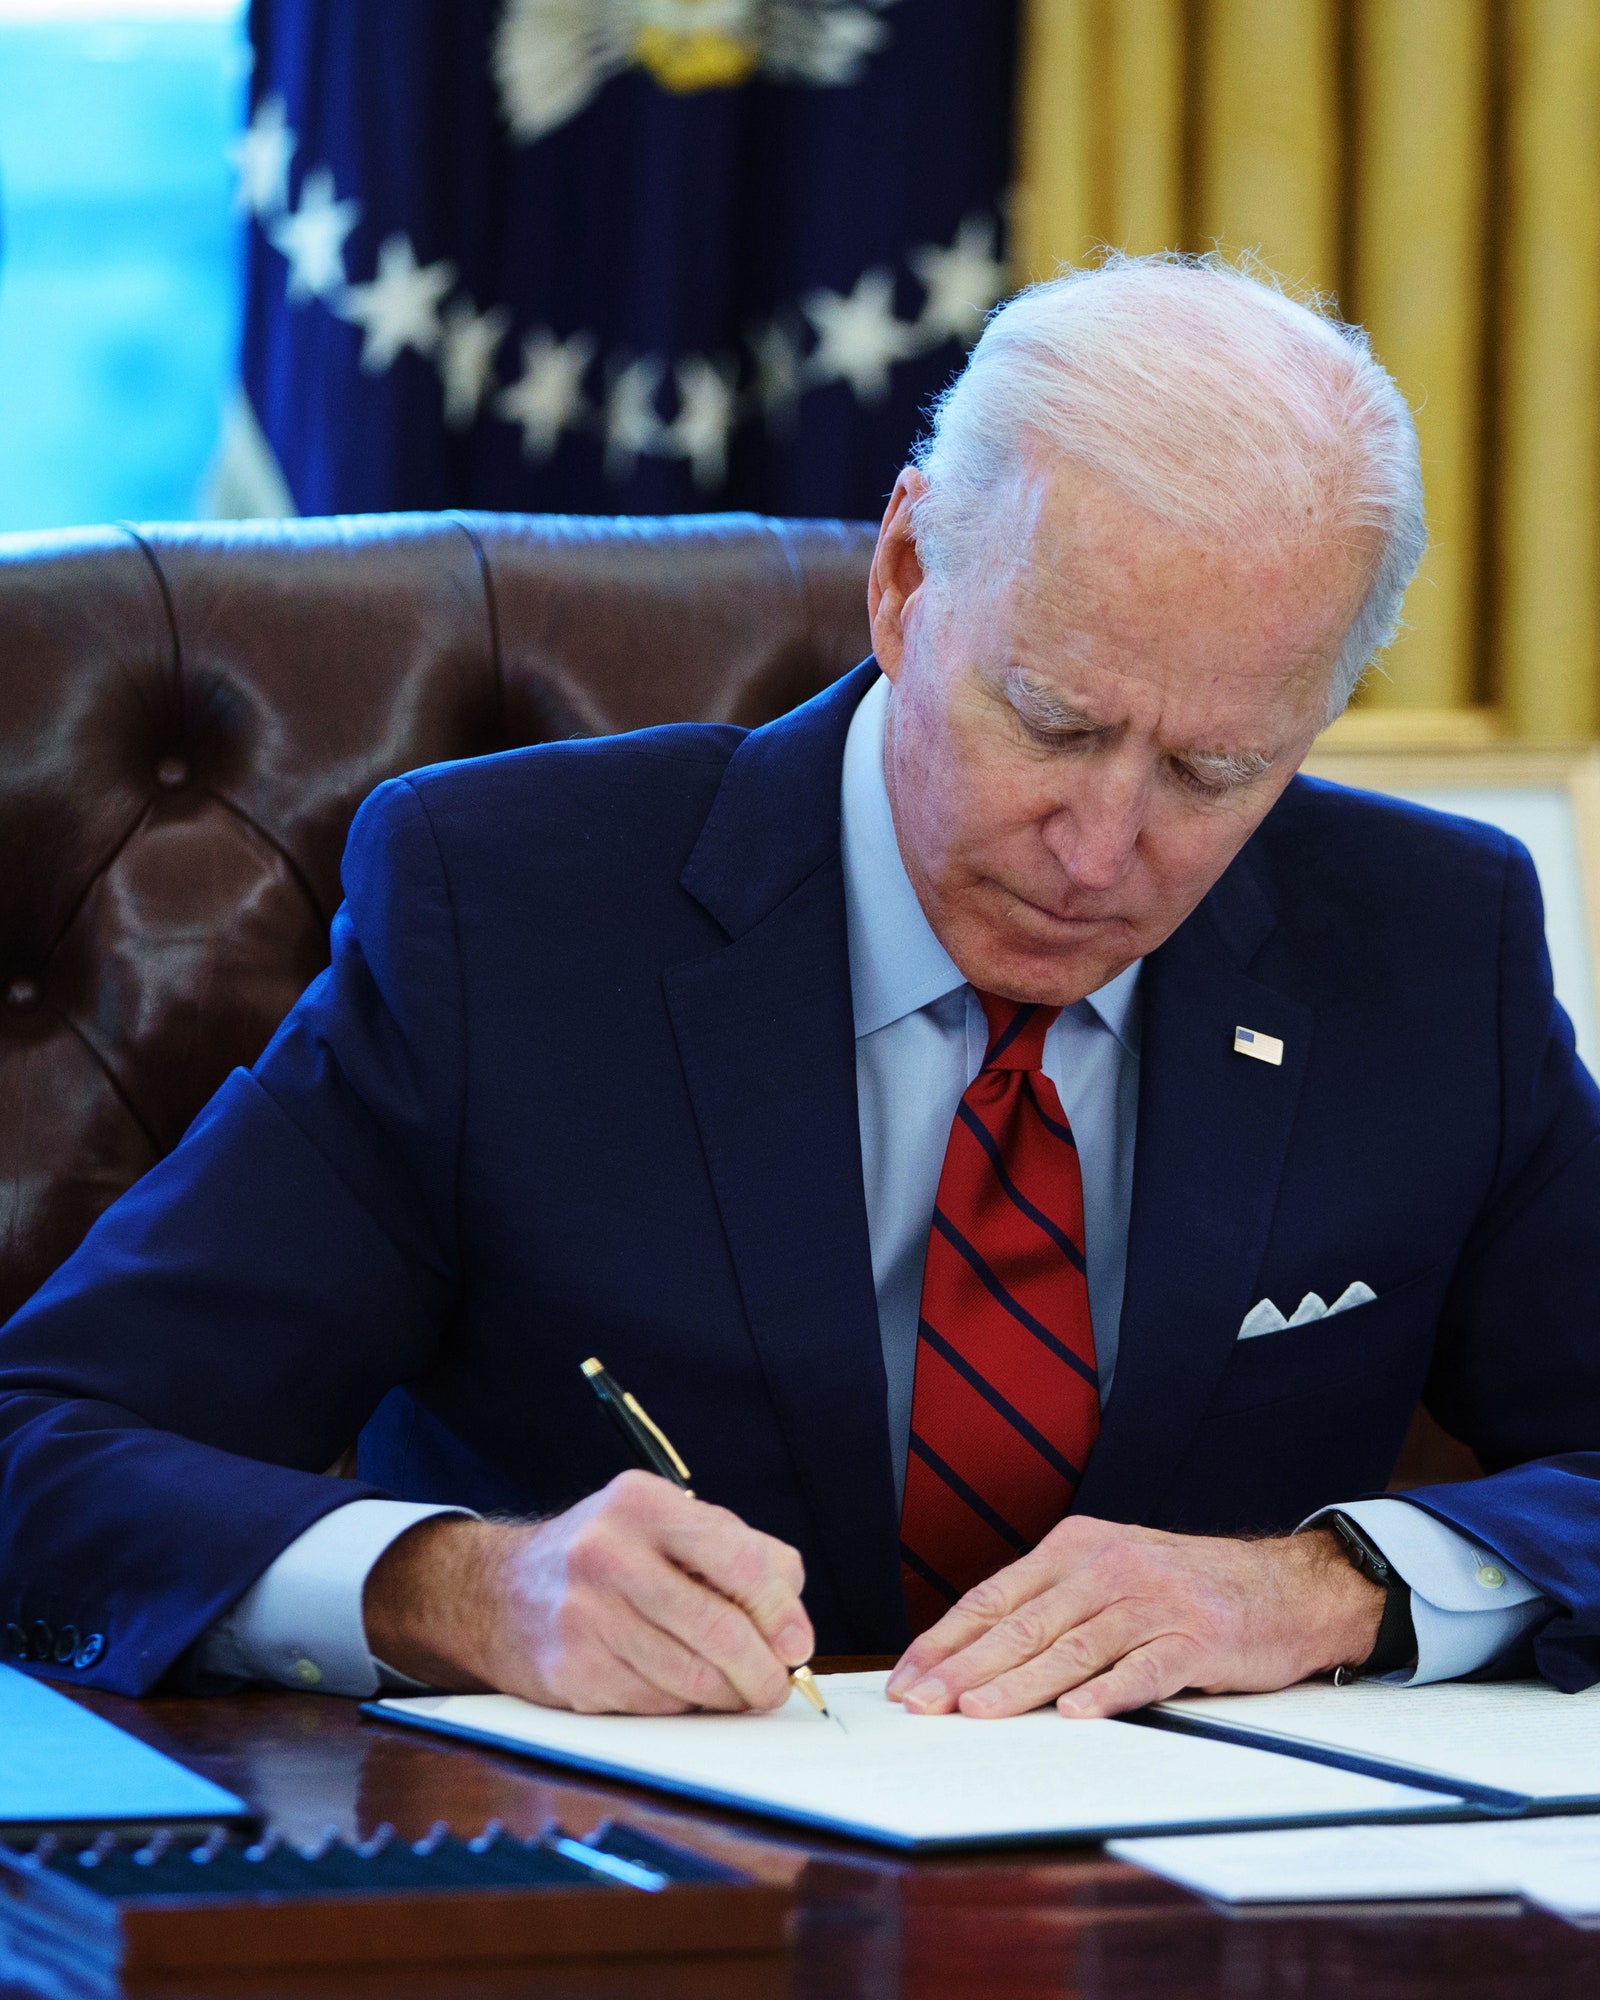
(189, 718)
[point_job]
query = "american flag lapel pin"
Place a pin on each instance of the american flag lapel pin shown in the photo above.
(1251, 1042)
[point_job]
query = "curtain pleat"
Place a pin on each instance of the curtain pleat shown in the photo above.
(1434, 165)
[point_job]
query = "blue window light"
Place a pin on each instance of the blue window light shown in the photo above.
(120, 254)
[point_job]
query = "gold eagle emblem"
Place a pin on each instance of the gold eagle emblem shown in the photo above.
(551, 58)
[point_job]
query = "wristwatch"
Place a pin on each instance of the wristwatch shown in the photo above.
(1397, 1635)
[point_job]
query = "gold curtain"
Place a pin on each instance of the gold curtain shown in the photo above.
(1435, 166)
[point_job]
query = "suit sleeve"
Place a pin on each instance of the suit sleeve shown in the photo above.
(169, 1398)
(1516, 1373)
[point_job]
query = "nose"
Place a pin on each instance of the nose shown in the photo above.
(1094, 833)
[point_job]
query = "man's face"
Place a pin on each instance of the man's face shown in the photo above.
(1079, 745)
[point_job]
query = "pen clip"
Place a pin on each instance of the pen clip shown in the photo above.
(658, 1434)
(645, 1440)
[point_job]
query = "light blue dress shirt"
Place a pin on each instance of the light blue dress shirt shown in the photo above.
(920, 1040)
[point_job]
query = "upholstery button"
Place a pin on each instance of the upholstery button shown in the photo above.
(90, 1650)
(66, 1645)
(43, 1642)
(1490, 1577)
(16, 1642)
(307, 1672)
(172, 773)
(22, 995)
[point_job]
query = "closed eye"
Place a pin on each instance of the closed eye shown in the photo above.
(1058, 736)
(1045, 718)
(1202, 786)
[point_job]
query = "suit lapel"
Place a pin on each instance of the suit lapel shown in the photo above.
(766, 1035)
(1213, 1130)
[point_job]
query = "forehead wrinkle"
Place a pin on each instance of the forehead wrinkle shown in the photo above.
(1264, 582)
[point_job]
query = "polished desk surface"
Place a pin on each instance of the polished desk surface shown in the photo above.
(1023, 1923)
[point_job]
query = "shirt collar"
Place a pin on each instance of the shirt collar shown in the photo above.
(897, 965)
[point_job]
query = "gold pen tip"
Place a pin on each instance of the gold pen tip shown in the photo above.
(592, 1367)
(806, 1682)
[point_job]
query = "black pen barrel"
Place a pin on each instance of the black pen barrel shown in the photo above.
(644, 1448)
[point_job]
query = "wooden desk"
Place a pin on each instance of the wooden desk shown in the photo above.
(1024, 1925)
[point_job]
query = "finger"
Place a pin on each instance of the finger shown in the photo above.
(742, 1670)
(693, 1641)
(1025, 1633)
(1077, 1655)
(760, 1574)
(595, 1682)
(969, 1619)
(1151, 1672)
(663, 1660)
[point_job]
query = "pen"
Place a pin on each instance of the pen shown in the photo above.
(653, 1449)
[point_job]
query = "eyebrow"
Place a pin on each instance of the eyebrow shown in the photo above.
(1040, 706)
(1221, 768)
(1045, 710)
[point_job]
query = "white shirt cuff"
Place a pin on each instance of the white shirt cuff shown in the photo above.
(299, 1624)
(1466, 1603)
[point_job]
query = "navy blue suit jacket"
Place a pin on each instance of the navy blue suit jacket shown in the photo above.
(580, 1080)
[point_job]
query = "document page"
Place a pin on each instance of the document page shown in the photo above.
(1554, 1861)
(61, 1763)
(1511, 1736)
(914, 1781)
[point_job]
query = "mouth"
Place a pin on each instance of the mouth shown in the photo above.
(1059, 923)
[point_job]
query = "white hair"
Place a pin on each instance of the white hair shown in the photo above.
(1237, 415)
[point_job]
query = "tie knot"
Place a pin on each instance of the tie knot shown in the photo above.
(1016, 1032)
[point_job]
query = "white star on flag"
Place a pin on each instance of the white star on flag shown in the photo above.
(312, 238)
(699, 432)
(400, 307)
(962, 282)
(632, 423)
(466, 359)
(858, 337)
(822, 41)
(777, 361)
(548, 396)
(260, 158)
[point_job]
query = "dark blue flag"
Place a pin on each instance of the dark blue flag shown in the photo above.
(607, 255)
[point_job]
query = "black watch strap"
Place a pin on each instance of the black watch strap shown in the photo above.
(1397, 1634)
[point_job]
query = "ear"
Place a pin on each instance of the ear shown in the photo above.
(896, 574)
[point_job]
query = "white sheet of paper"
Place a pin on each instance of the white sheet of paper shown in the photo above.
(1517, 1736)
(929, 1780)
(1554, 1861)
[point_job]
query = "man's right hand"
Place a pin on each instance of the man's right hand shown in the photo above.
(640, 1601)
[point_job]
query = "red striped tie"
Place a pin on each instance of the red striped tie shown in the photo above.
(1005, 1405)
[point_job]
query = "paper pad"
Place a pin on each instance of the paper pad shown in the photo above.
(1521, 1739)
(1555, 1862)
(928, 1781)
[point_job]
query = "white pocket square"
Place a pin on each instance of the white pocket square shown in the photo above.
(1266, 1318)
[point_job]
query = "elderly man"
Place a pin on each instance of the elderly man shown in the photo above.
(1027, 1148)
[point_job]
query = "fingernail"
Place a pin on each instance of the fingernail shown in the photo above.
(984, 1697)
(794, 1641)
(924, 1694)
(899, 1681)
(1069, 1705)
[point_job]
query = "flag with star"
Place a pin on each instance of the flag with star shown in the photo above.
(615, 255)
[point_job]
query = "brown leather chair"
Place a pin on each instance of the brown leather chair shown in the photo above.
(189, 718)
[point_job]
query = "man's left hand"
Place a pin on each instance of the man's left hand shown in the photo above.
(1101, 1618)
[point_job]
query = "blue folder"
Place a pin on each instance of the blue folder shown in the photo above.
(62, 1764)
